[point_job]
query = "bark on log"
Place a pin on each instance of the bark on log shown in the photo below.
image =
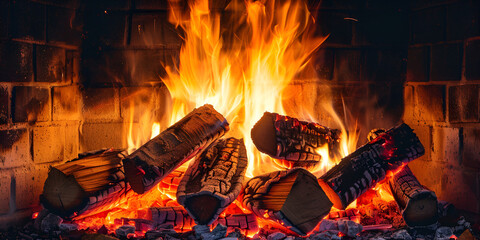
(292, 198)
(368, 165)
(419, 205)
(149, 164)
(76, 187)
(293, 141)
(214, 180)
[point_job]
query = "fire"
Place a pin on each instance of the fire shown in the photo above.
(242, 64)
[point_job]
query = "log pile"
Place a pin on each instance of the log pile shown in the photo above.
(149, 164)
(294, 141)
(84, 184)
(214, 180)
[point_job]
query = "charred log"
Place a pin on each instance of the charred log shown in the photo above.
(368, 165)
(293, 198)
(81, 185)
(418, 204)
(214, 180)
(148, 165)
(294, 141)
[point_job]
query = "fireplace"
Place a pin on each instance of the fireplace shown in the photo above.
(79, 76)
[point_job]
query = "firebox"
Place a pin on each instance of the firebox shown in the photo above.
(98, 81)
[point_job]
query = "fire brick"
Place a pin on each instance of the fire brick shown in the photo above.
(324, 62)
(71, 141)
(424, 133)
(428, 173)
(101, 103)
(384, 65)
(430, 103)
(472, 59)
(139, 100)
(14, 148)
(446, 62)
(63, 25)
(336, 24)
(348, 64)
(5, 182)
(66, 103)
(153, 29)
(471, 149)
(94, 136)
(446, 145)
(30, 104)
(4, 14)
(409, 101)
(104, 68)
(428, 25)
(29, 20)
(48, 144)
(104, 27)
(16, 62)
(418, 64)
(4, 99)
(72, 66)
(461, 188)
(147, 67)
(50, 64)
(28, 185)
(463, 103)
(462, 20)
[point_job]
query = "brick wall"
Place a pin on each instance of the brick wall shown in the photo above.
(442, 97)
(70, 72)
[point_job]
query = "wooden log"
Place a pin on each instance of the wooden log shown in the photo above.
(419, 205)
(149, 164)
(182, 221)
(293, 141)
(292, 198)
(214, 180)
(364, 168)
(84, 184)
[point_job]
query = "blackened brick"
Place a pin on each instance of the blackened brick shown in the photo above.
(50, 64)
(428, 25)
(4, 100)
(324, 62)
(14, 148)
(104, 68)
(72, 66)
(462, 20)
(336, 24)
(16, 62)
(28, 20)
(4, 18)
(64, 25)
(137, 100)
(146, 66)
(154, 29)
(385, 26)
(418, 64)
(463, 103)
(30, 104)
(384, 65)
(471, 149)
(151, 5)
(461, 188)
(430, 103)
(101, 103)
(446, 62)
(5, 182)
(472, 60)
(103, 28)
(348, 64)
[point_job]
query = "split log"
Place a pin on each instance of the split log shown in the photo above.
(84, 184)
(153, 161)
(181, 220)
(364, 168)
(419, 205)
(214, 180)
(293, 198)
(293, 141)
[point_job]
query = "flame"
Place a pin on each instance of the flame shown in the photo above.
(241, 63)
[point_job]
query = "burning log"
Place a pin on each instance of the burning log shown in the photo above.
(214, 180)
(368, 165)
(294, 141)
(149, 164)
(292, 197)
(418, 204)
(83, 184)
